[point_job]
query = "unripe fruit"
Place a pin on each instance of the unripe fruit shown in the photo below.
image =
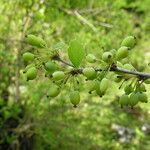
(117, 78)
(31, 73)
(147, 81)
(143, 97)
(92, 85)
(104, 84)
(107, 57)
(54, 91)
(35, 41)
(129, 41)
(50, 66)
(91, 58)
(58, 75)
(74, 98)
(28, 56)
(134, 99)
(124, 100)
(128, 89)
(28, 66)
(97, 88)
(90, 73)
(122, 52)
(141, 88)
(128, 66)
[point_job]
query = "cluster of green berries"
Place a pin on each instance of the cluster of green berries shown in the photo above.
(133, 96)
(96, 80)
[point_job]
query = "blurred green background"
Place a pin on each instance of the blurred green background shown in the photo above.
(28, 120)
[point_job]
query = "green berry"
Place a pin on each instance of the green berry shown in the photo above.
(147, 81)
(54, 91)
(124, 100)
(128, 66)
(143, 97)
(128, 89)
(107, 57)
(122, 52)
(35, 41)
(50, 66)
(117, 78)
(58, 75)
(141, 88)
(31, 73)
(129, 41)
(97, 88)
(134, 99)
(28, 66)
(28, 57)
(90, 73)
(74, 98)
(91, 85)
(104, 84)
(91, 58)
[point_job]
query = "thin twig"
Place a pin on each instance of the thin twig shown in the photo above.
(136, 73)
(113, 68)
(80, 17)
(85, 21)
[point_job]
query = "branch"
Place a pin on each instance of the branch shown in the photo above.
(114, 68)
(81, 18)
(141, 75)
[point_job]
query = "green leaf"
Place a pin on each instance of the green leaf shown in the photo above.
(76, 53)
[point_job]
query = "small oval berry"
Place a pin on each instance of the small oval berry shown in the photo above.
(122, 52)
(58, 75)
(133, 99)
(50, 66)
(147, 81)
(28, 66)
(143, 97)
(117, 78)
(124, 100)
(54, 91)
(141, 88)
(91, 58)
(107, 57)
(128, 89)
(90, 73)
(128, 66)
(31, 73)
(91, 85)
(129, 41)
(74, 98)
(28, 56)
(35, 41)
(104, 84)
